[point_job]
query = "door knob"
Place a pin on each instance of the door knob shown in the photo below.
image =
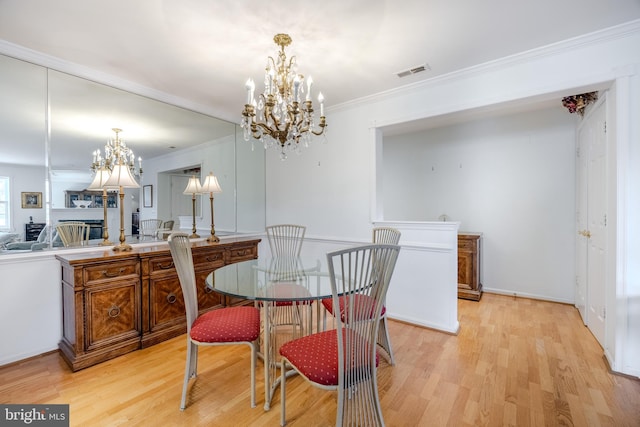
(585, 233)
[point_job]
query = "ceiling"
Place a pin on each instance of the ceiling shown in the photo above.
(203, 51)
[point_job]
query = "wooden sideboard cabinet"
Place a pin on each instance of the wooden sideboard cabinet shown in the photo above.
(469, 252)
(114, 302)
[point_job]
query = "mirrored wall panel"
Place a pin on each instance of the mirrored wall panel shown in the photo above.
(82, 113)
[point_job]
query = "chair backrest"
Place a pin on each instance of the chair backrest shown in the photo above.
(168, 225)
(180, 248)
(386, 235)
(73, 233)
(149, 227)
(285, 239)
(359, 276)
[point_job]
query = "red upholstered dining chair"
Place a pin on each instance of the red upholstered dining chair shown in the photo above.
(345, 359)
(387, 236)
(225, 326)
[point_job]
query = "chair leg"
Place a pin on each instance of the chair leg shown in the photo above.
(384, 340)
(190, 370)
(254, 357)
(283, 382)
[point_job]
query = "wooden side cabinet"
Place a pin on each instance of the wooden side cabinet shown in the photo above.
(469, 252)
(101, 309)
(117, 302)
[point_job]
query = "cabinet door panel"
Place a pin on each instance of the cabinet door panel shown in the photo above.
(465, 269)
(113, 314)
(166, 302)
(207, 299)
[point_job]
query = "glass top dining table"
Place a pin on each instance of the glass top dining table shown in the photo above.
(270, 282)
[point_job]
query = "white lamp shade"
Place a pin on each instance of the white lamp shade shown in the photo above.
(101, 178)
(211, 184)
(121, 177)
(193, 187)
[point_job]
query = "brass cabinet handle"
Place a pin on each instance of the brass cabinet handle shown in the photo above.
(114, 311)
(171, 298)
(241, 252)
(213, 258)
(165, 266)
(106, 273)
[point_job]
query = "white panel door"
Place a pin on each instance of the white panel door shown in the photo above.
(597, 221)
(582, 193)
(591, 219)
(181, 203)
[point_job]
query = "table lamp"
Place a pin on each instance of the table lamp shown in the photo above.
(193, 188)
(98, 183)
(211, 186)
(121, 178)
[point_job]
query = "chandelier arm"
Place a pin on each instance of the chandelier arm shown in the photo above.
(322, 125)
(264, 127)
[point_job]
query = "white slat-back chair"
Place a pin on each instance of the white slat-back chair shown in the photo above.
(73, 233)
(285, 242)
(345, 359)
(387, 236)
(150, 227)
(224, 326)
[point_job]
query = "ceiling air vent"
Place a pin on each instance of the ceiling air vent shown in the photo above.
(414, 70)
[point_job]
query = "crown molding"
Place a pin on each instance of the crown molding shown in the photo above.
(553, 49)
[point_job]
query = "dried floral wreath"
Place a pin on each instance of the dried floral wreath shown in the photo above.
(577, 103)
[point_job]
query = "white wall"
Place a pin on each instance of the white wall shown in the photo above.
(332, 188)
(30, 306)
(511, 177)
(212, 157)
(29, 179)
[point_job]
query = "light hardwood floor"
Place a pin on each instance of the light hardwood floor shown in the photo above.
(516, 362)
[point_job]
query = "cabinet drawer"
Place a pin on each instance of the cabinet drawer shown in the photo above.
(111, 271)
(209, 259)
(242, 253)
(159, 264)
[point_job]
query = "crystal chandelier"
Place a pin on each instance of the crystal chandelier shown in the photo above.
(280, 118)
(115, 152)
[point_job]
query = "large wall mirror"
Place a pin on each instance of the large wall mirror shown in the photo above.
(81, 114)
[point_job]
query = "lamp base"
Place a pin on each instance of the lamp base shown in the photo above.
(213, 239)
(106, 243)
(194, 236)
(122, 247)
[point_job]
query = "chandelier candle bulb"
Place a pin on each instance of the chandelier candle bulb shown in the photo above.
(249, 86)
(321, 101)
(309, 84)
(296, 88)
